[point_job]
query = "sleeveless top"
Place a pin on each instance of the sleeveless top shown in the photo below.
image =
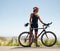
(35, 20)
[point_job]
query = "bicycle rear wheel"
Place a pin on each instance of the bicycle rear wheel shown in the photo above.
(23, 39)
(48, 39)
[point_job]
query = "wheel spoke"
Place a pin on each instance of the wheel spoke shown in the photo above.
(48, 38)
(24, 39)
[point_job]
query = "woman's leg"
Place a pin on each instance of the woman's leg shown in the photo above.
(36, 32)
(30, 37)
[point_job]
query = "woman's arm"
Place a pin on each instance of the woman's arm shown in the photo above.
(40, 20)
(31, 18)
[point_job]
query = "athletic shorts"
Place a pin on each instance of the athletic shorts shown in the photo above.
(34, 26)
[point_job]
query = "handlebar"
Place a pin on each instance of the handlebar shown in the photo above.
(47, 24)
(44, 25)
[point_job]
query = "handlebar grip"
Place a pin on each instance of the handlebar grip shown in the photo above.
(50, 23)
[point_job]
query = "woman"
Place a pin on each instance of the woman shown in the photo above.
(34, 17)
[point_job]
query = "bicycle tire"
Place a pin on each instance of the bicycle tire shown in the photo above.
(21, 42)
(52, 34)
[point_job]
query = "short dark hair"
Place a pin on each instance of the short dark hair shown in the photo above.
(35, 8)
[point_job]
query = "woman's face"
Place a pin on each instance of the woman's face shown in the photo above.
(36, 11)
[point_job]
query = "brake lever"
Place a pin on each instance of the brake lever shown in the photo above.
(26, 24)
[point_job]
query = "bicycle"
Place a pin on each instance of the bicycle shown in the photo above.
(47, 38)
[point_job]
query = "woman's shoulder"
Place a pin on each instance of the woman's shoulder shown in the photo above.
(37, 15)
(31, 14)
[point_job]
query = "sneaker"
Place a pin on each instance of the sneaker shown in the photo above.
(29, 46)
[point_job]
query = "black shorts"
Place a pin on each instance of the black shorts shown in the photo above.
(34, 26)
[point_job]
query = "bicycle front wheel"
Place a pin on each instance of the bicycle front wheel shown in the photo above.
(23, 39)
(48, 39)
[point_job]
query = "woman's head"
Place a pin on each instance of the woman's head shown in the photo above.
(35, 9)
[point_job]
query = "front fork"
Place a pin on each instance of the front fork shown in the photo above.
(46, 34)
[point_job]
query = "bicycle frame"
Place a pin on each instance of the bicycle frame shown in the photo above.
(44, 29)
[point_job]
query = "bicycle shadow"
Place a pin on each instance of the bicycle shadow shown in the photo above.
(18, 47)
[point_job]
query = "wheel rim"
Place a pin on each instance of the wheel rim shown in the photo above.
(48, 40)
(24, 39)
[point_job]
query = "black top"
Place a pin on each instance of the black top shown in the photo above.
(35, 20)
